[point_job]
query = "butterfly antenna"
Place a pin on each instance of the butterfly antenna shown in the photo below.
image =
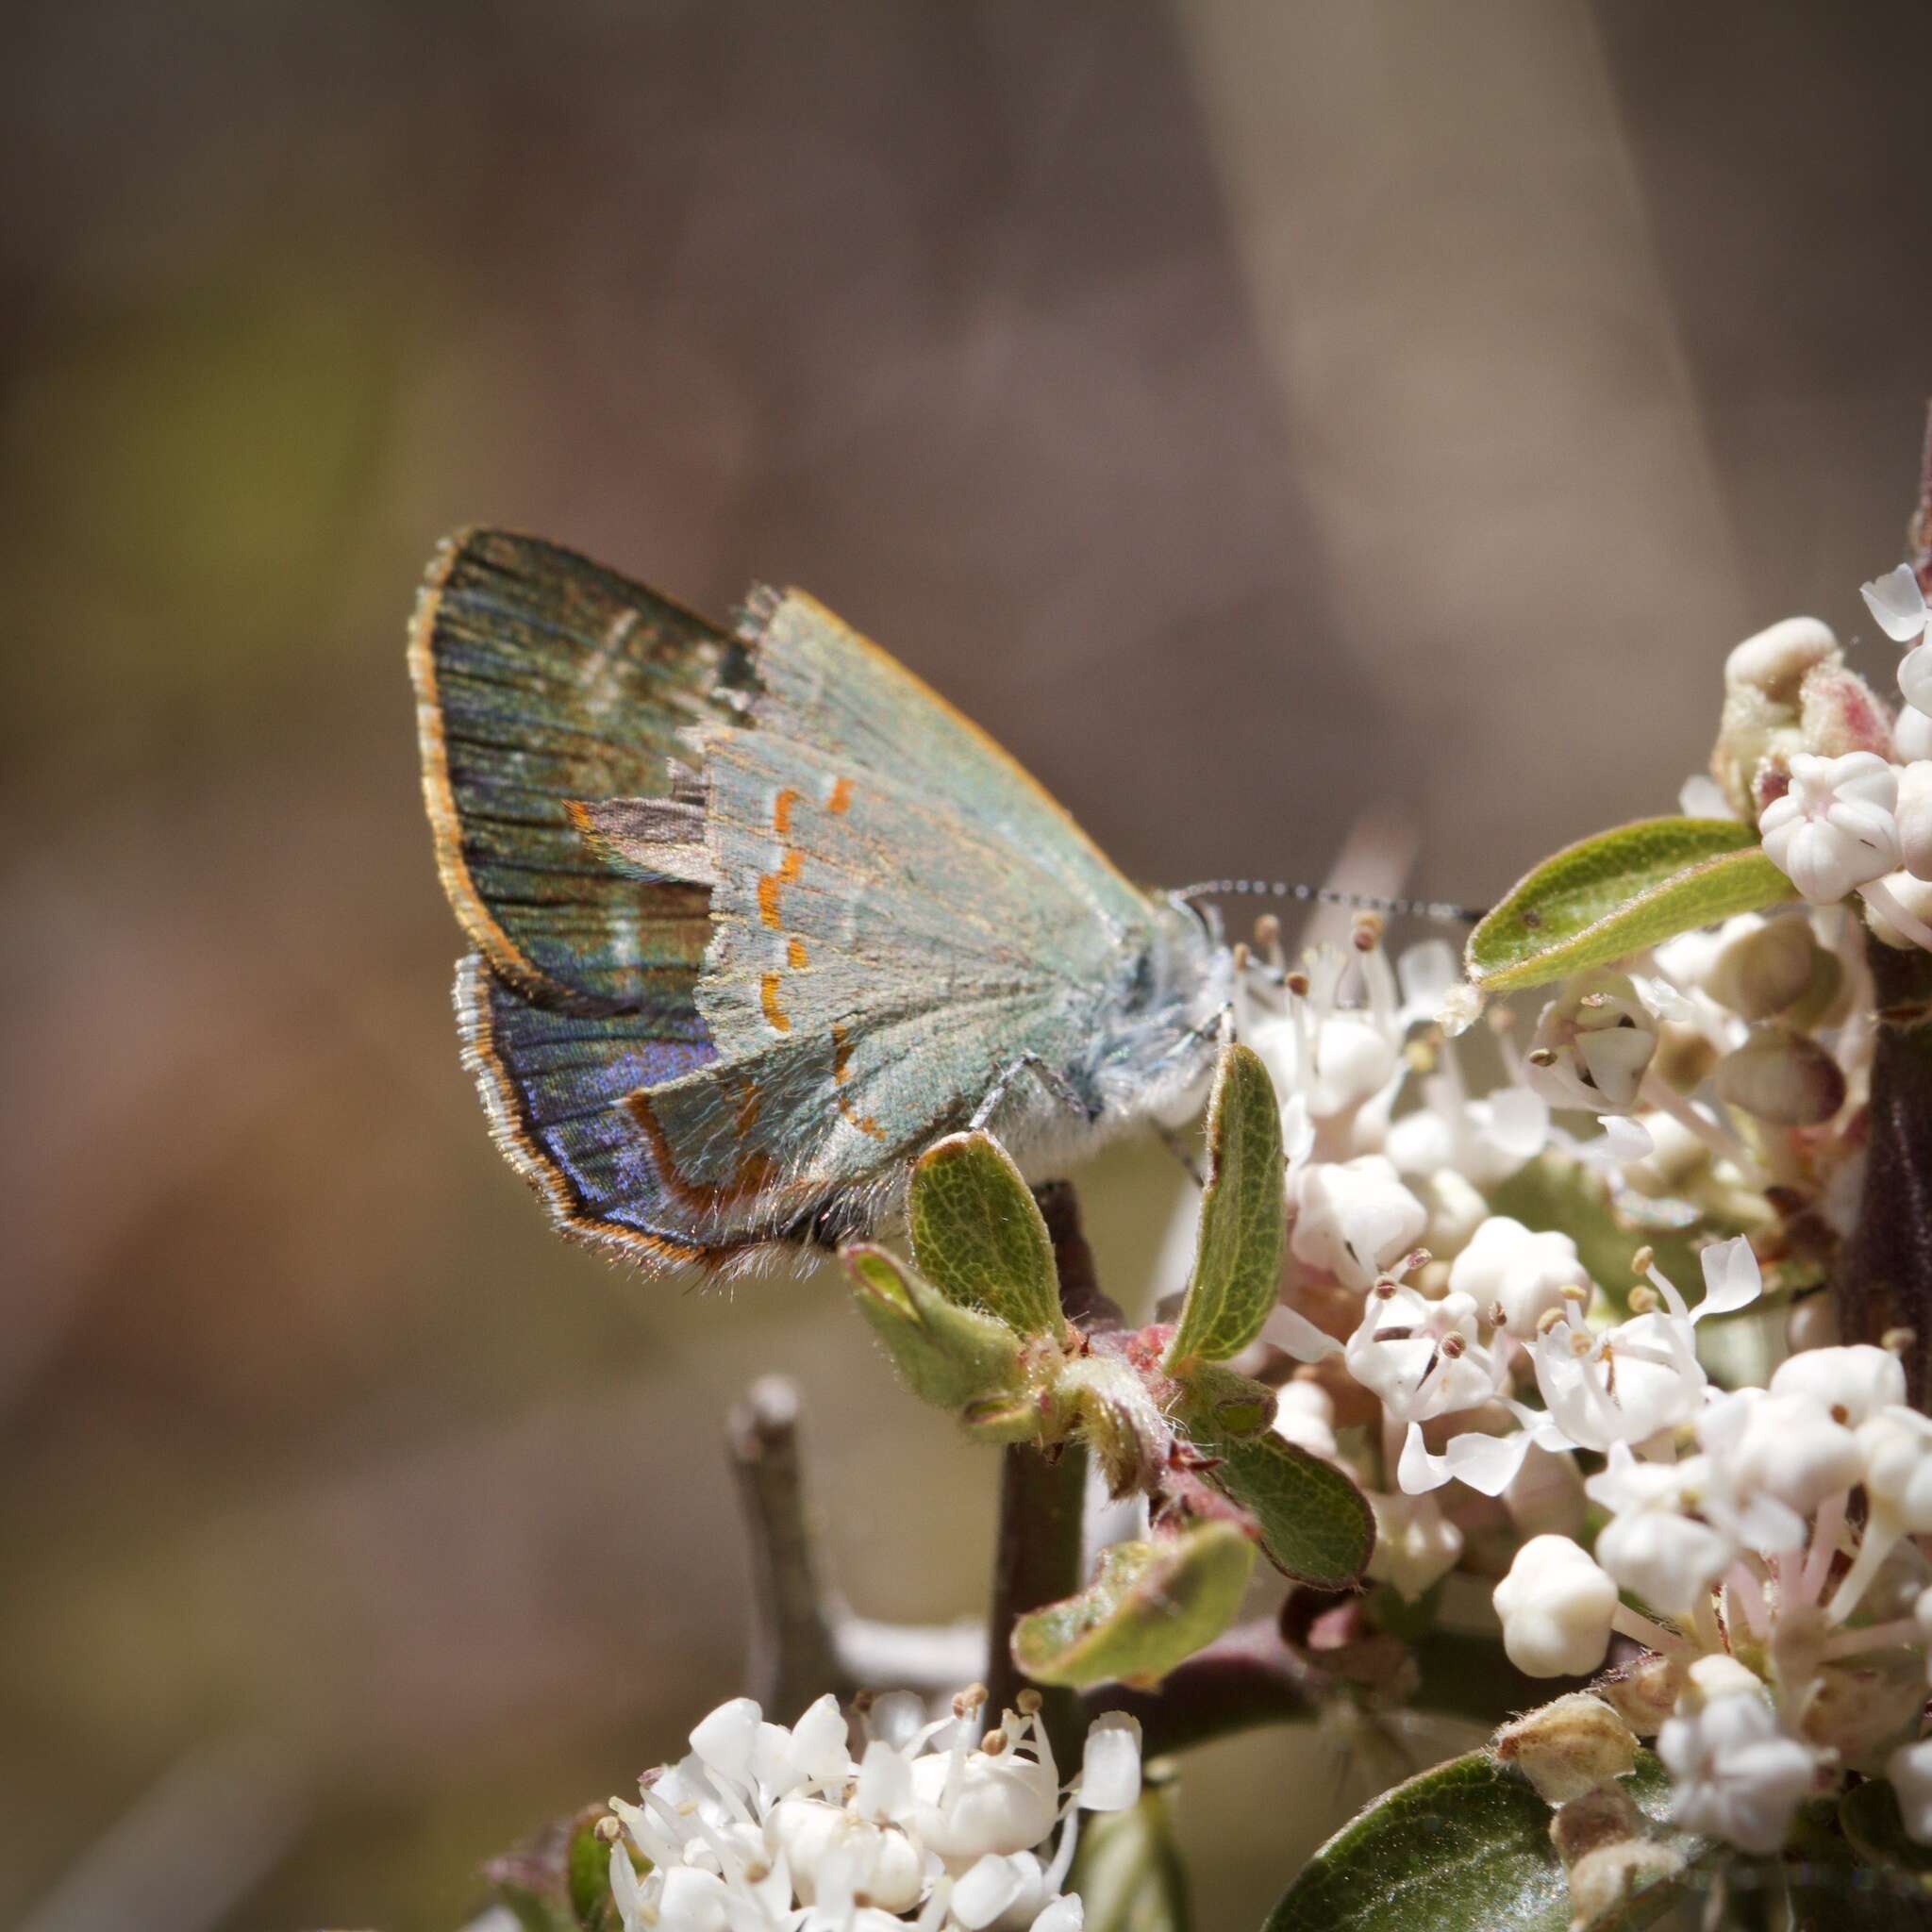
(1332, 896)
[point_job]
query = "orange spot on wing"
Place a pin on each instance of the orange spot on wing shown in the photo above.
(768, 998)
(769, 883)
(841, 1073)
(841, 796)
(796, 957)
(781, 810)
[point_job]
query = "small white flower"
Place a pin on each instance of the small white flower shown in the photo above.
(968, 1802)
(1421, 1357)
(1910, 1768)
(1594, 1044)
(1506, 1267)
(1911, 736)
(1416, 1545)
(1895, 1448)
(1834, 830)
(1736, 1775)
(1556, 1605)
(1354, 1219)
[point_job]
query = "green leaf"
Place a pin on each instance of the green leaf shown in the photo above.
(1870, 1818)
(1243, 1219)
(1129, 1872)
(1618, 892)
(953, 1356)
(1316, 1526)
(1151, 1606)
(1463, 1848)
(978, 1236)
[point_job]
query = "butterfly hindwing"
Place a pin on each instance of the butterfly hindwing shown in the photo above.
(542, 681)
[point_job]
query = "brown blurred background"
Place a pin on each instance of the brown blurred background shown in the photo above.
(1250, 411)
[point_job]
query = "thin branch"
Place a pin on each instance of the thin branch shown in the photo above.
(804, 1639)
(1036, 1560)
(793, 1655)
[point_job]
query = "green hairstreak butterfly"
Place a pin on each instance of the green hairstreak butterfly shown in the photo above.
(756, 915)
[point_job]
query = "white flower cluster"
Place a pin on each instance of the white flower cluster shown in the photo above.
(1801, 1642)
(1844, 814)
(765, 1828)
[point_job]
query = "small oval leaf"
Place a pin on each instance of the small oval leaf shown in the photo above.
(1151, 1606)
(1316, 1526)
(978, 1236)
(955, 1357)
(1244, 1231)
(1618, 892)
(1466, 1845)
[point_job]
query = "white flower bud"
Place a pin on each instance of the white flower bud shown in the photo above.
(1784, 1079)
(1545, 1496)
(1915, 818)
(1895, 1446)
(1910, 1768)
(1911, 736)
(1763, 968)
(1569, 1747)
(1834, 830)
(1853, 1383)
(1354, 1219)
(1670, 1560)
(1002, 1804)
(1555, 1606)
(1506, 1266)
(1915, 676)
(1594, 1044)
(1915, 896)
(1110, 1771)
(1789, 1449)
(1735, 1773)
(1354, 1060)
(1416, 1545)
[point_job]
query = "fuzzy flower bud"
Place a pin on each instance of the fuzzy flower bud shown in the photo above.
(1784, 1079)
(1556, 1605)
(1569, 1747)
(1594, 1046)
(1834, 830)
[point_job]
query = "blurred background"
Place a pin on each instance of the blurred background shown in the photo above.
(1251, 412)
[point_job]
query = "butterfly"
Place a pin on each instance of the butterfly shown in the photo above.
(756, 916)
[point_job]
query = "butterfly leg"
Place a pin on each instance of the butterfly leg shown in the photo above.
(1055, 1084)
